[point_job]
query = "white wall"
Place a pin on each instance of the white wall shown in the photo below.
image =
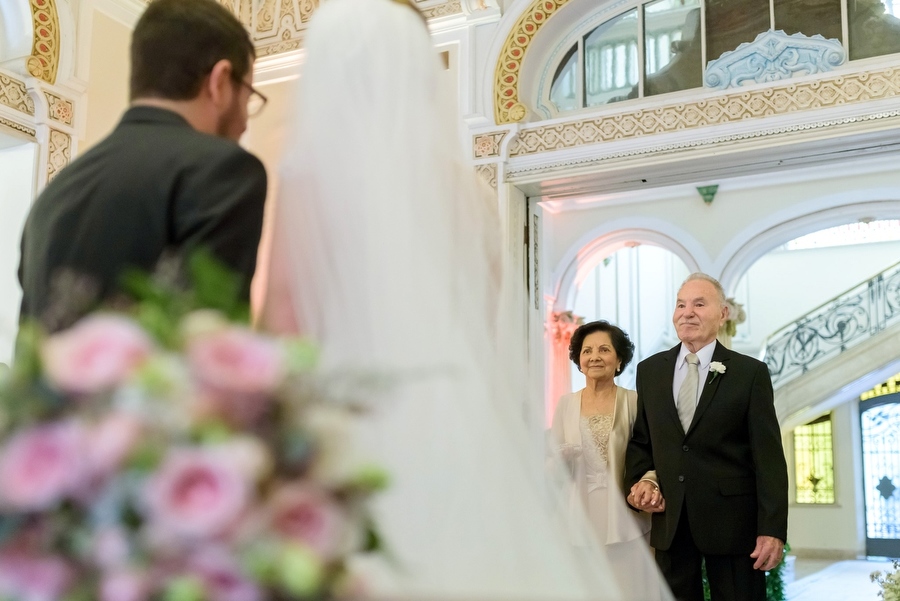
(17, 164)
(784, 285)
(838, 530)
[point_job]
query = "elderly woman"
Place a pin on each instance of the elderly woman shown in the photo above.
(591, 428)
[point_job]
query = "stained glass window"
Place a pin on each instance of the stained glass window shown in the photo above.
(814, 462)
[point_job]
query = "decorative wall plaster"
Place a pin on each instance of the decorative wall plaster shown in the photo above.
(44, 59)
(830, 124)
(774, 56)
(858, 87)
(488, 172)
(454, 7)
(507, 106)
(14, 94)
(59, 153)
(59, 109)
(278, 26)
(488, 145)
(31, 133)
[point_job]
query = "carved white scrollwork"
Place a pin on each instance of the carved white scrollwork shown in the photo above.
(774, 56)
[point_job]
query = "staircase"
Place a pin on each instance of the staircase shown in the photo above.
(837, 350)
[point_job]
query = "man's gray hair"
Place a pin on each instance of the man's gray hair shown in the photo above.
(707, 278)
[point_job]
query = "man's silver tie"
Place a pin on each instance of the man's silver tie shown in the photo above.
(687, 394)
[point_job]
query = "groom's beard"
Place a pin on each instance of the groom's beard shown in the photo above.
(232, 122)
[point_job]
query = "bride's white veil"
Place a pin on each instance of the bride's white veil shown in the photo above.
(390, 256)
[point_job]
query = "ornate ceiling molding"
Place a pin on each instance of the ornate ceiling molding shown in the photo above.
(28, 131)
(508, 107)
(730, 108)
(44, 60)
(774, 56)
(14, 94)
(278, 26)
(445, 9)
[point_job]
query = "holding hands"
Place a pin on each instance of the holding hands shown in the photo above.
(646, 496)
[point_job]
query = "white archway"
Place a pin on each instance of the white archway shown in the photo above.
(761, 237)
(602, 241)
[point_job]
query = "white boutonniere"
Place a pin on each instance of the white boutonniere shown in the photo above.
(716, 368)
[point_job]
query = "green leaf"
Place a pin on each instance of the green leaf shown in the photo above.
(216, 286)
(184, 588)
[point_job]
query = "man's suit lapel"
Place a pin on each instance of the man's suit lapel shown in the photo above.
(666, 395)
(722, 355)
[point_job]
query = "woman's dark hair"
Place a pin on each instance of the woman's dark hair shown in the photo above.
(622, 344)
(176, 43)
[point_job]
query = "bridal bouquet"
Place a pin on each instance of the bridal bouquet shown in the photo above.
(171, 453)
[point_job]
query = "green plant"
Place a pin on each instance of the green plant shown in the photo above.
(775, 587)
(889, 582)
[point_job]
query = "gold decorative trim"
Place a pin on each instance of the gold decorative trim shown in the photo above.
(488, 173)
(731, 108)
(31, 133)
(890, 118)
(488, 145)
(60, 153)
(14, 94)
(454, 7)
(59, 108)
(507, 106)
(44, 60)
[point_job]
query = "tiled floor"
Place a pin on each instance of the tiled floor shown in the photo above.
(823, 580)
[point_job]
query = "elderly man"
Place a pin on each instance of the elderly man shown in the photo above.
(706, 423)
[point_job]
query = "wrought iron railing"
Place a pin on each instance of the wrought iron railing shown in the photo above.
(835, 326)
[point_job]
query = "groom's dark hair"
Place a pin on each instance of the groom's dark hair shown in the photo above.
(176, 43)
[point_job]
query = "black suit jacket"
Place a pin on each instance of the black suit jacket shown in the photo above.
(728, 471)
(155, 185)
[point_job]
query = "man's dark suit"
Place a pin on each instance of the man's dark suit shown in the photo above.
(153, 186)
(728, 473)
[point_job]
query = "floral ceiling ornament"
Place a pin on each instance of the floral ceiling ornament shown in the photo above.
(562, 325)
(736, 316)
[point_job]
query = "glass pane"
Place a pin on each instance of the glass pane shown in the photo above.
(874, 28)
(730, 23)
(611, 61)
(809, 17)
(562, 92)
(880, 427)
(672, 59)
(814, 462)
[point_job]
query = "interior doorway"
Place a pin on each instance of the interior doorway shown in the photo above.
(880, 429)
(18, 161)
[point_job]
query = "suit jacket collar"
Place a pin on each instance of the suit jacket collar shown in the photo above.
(722, 355)
(153, 114)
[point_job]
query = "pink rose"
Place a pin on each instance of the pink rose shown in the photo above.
(237, 372)
(222, 577)
(110, 548)
(124, 585)
(111, 440)
(27, 578)
(310, 516)
(41, 465)
(96, 354)
(196, 493)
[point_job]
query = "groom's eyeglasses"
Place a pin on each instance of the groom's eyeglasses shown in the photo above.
(257, 100)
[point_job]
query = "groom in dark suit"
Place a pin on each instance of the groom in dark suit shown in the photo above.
(706, 423)
(171, 178)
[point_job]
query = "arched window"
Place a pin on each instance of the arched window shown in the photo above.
(661, 46)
